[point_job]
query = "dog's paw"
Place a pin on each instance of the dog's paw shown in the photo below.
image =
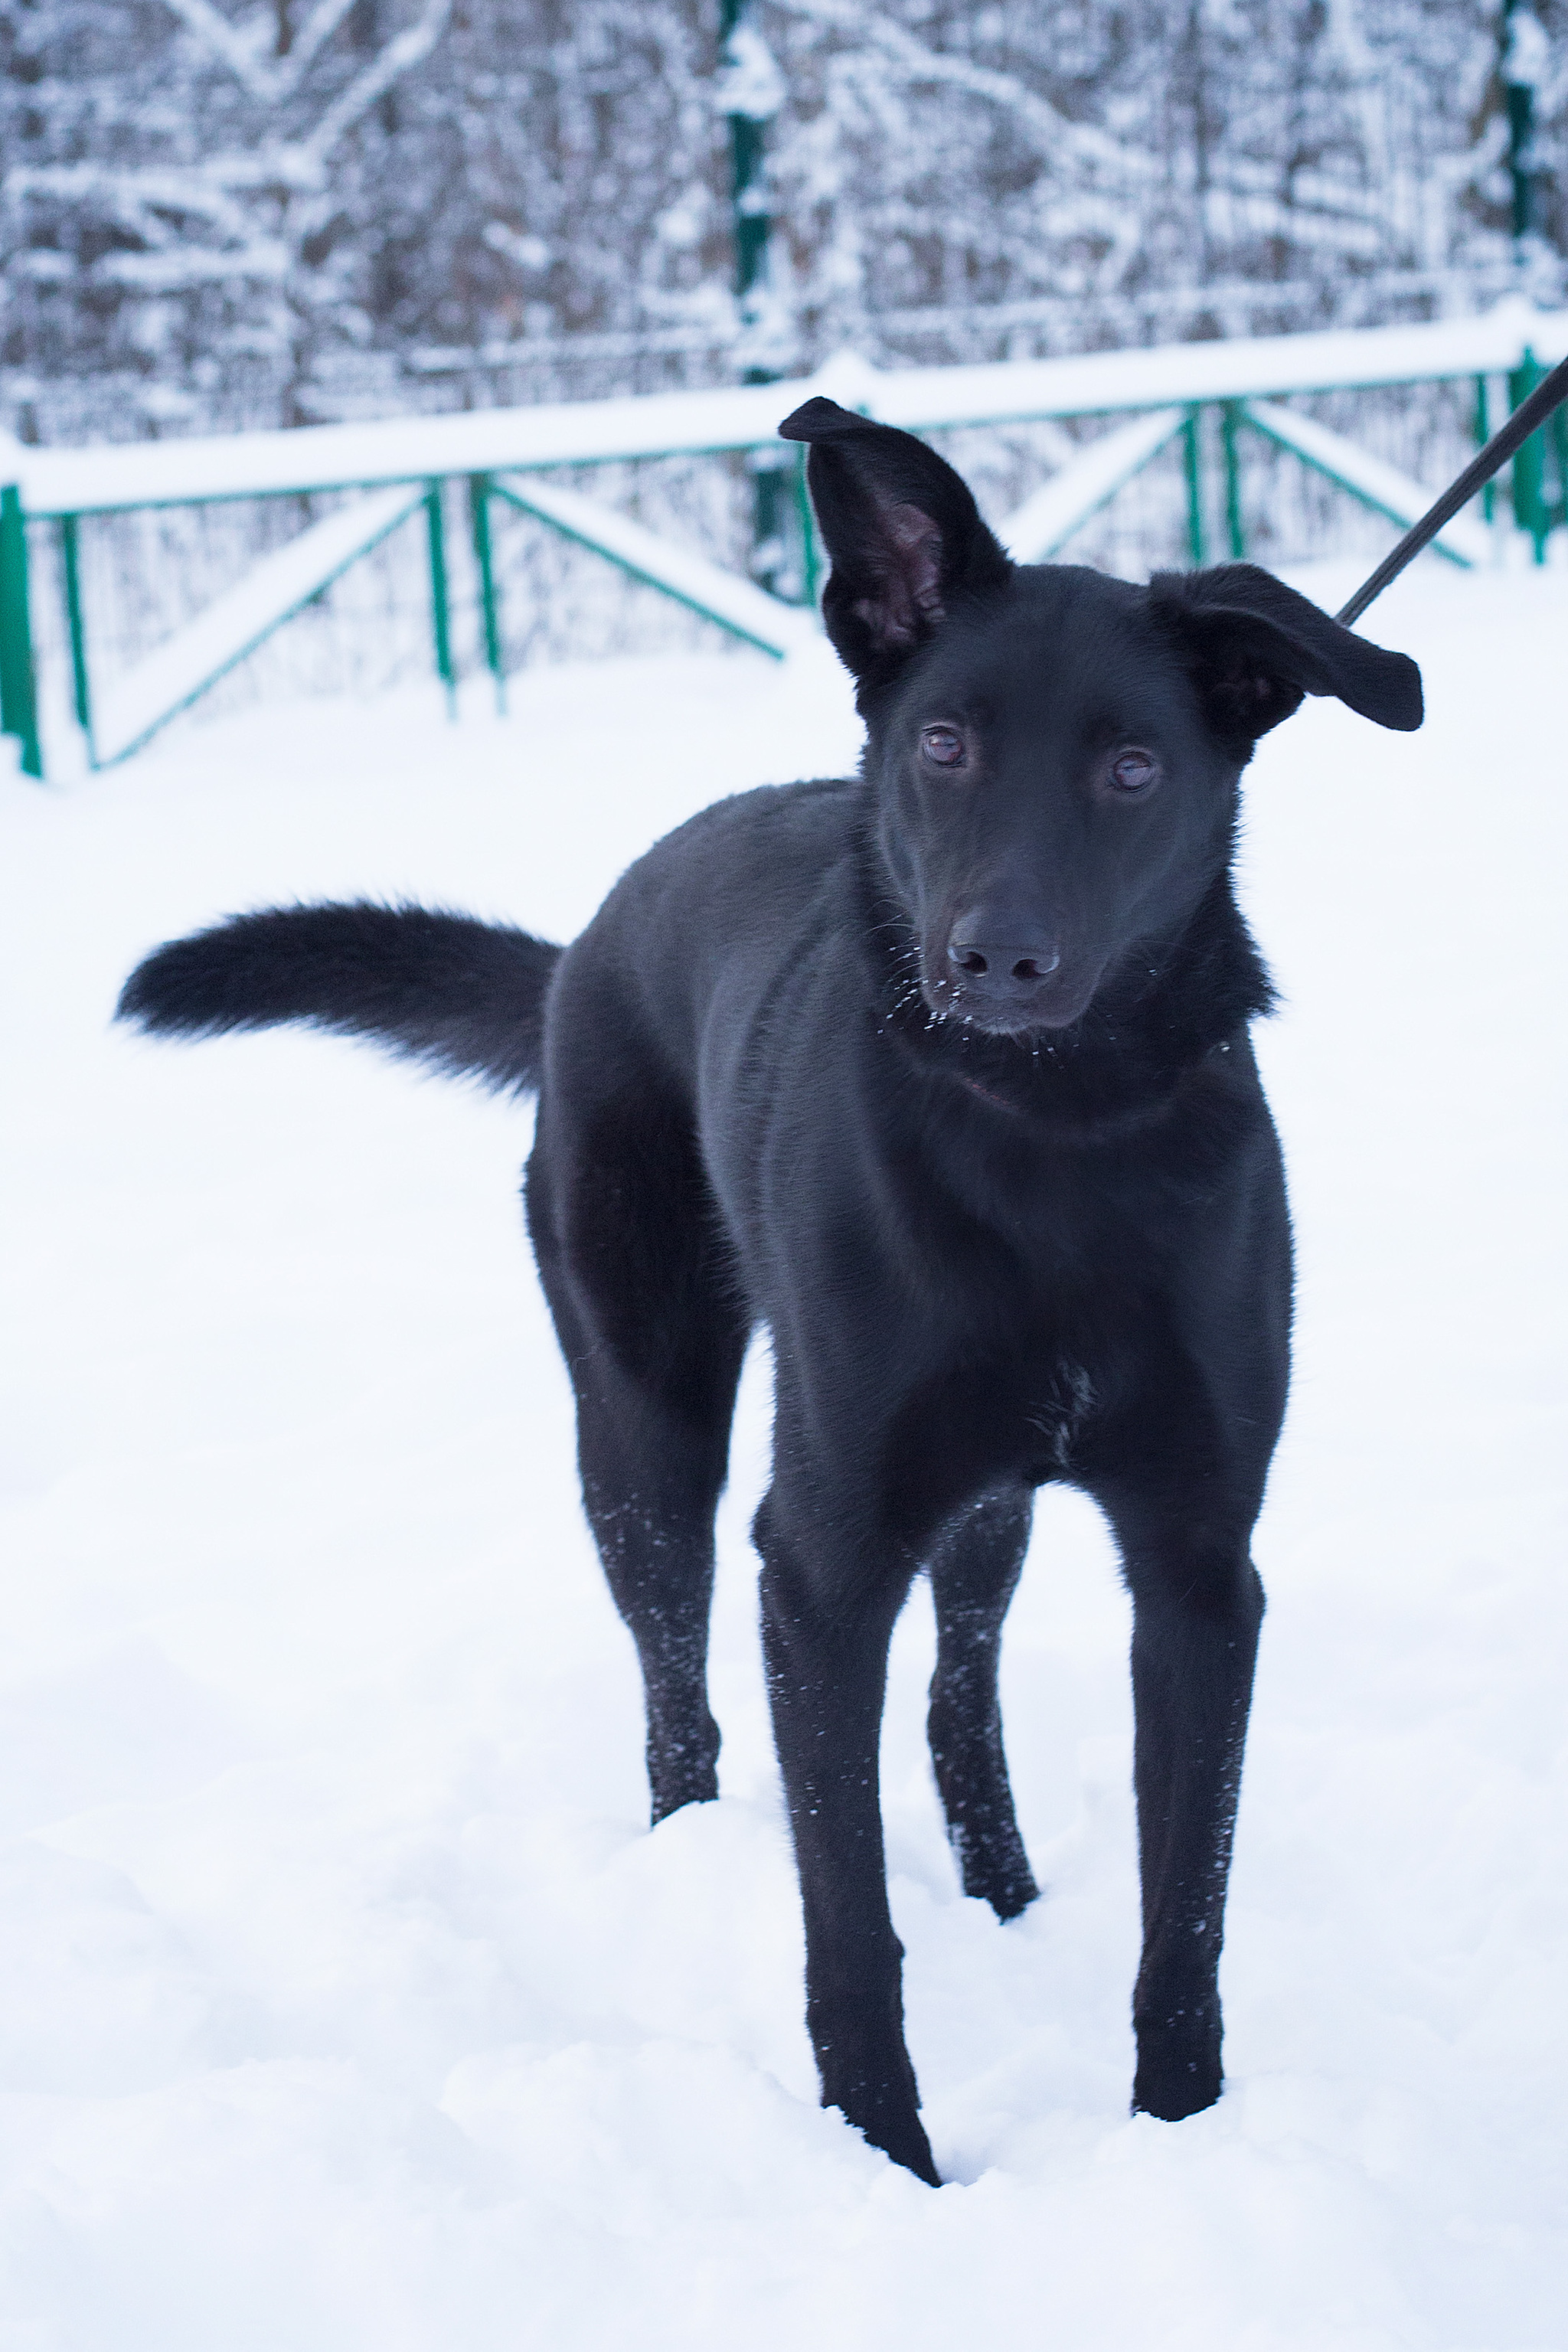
(992, 1861)
(1179, 2072)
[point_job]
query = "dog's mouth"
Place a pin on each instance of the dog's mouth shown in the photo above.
(1005, 1002)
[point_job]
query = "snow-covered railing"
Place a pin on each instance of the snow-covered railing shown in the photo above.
(673, 423)
(1379, 486)
(1045, 523)
(399, 465)
(236, 622)
(736, 604)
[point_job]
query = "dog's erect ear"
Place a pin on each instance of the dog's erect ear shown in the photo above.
(903, 532)
(1254, 648)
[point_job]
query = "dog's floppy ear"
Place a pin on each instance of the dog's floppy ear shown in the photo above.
(903, 532)
(1254, 648)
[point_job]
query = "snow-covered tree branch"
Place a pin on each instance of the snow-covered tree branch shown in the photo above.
(247, 200)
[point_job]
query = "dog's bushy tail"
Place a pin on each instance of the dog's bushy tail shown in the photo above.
(465, 996)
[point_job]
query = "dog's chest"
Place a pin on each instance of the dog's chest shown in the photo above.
(1042, 1313)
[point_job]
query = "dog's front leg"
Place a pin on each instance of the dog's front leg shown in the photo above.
(1196, 1608)
(825, 1636)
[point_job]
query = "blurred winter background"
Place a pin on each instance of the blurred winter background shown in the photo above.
(227, 213)
(276, 212)
(348, 2000)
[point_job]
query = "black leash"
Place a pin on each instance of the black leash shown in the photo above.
(1549, 393)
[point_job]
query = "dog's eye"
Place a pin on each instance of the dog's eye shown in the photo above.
(1134, 772)
(944, 745)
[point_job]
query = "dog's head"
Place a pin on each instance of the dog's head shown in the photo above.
(1054, 753)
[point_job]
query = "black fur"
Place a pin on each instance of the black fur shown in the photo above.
(467, 997)
(943, 1075)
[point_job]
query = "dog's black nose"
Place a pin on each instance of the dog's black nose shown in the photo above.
(1009, 957)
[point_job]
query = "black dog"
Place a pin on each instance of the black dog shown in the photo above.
(943, 1076)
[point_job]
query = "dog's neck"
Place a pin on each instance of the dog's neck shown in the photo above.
(1158, 1015)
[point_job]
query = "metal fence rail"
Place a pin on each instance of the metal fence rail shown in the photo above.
(1212, 402)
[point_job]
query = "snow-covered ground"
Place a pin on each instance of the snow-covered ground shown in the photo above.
(348, 2001)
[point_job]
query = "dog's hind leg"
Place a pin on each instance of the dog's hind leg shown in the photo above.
(974, 1575)
(653, 1335)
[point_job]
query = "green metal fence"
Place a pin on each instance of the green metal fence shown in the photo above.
(1212, 403)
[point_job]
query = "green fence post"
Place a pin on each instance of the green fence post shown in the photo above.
(752, 90)
(1529, 463)
(1236, 528)
(70, 573)
(490, 598)
(810, 556)
(1192, 454)
(440, 611)
(1525, 64)
(1483, 435)
(18, 691)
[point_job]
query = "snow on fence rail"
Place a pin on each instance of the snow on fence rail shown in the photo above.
(236, 622)
(399, 466)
